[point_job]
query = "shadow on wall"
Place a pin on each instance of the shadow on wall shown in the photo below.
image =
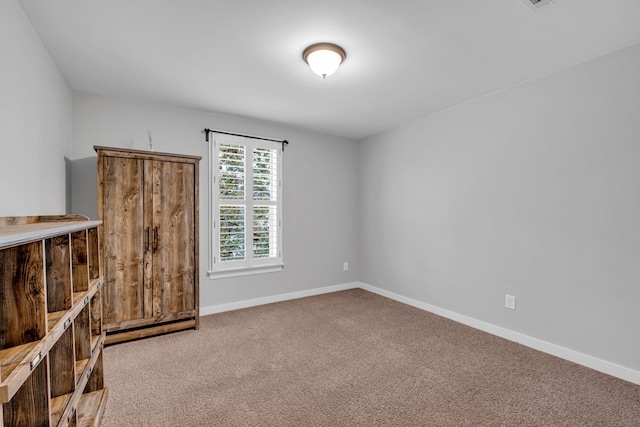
(82, 186)
(67, 186)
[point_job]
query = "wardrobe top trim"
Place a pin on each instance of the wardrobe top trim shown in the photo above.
(142, 154)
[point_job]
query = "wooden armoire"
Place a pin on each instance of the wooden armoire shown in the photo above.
(148, 205)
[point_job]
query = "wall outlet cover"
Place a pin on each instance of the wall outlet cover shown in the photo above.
(510, 301)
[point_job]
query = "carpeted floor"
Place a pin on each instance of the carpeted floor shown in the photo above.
(352, 358)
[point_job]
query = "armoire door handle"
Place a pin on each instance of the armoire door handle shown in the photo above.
(146, 240)
(155, 239)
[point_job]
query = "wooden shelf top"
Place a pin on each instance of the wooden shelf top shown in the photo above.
(54, 318)
(91, 407)
(80, 367)
(10, 358)
(58, 405)
(11, 235)
(95, 339)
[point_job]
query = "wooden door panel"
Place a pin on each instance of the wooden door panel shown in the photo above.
(174, 237)
(123, 245)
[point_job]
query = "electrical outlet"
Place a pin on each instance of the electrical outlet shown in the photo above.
(345, 266)
(510, 301)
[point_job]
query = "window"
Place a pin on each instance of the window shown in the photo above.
(247, 206)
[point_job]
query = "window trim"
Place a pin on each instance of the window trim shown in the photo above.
(260, 266)
(244, 271)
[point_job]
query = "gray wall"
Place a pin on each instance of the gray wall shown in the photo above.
(319, 211)
(35, 121)
(531, 191)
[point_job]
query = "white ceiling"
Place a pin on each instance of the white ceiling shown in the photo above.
(405, 58)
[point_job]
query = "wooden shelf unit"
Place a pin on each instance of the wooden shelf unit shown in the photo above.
(51, 335)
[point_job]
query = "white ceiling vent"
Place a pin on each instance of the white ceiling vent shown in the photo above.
(537, 4)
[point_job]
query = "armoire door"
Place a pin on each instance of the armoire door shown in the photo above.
(174, 240)
(123, 245)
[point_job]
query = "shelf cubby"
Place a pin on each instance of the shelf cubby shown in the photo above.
(62, 367)
(22, 295)
(91, 407)
(94, 395)
(58, 261)
(93, 251)
(80, 266)
(96, 319)
(30, 404)
(82, 332)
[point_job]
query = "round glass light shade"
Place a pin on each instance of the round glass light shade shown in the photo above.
(324, 58)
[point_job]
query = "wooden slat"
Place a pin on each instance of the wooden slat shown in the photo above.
(58, 405)
(61, 363)
(54, 318)
(93, 252)
(22, 295)
(96, 380)
(82, 333)
(58, 262)
(130, 324)
(150, 331)
(94, 343)
(78, 297)
(71, 421)
(91, 408)
(79, 262)
(11, 358)
(96, 314)
(30, 404)
(80, 367)
(81, 297)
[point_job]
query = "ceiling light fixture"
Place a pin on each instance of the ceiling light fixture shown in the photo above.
(324, 58)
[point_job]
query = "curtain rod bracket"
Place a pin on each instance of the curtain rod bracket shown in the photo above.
(207, 131)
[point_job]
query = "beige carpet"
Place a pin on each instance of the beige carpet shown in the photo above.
(352, 358)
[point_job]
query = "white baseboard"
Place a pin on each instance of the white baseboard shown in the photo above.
(609, 368)
(221, 308)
